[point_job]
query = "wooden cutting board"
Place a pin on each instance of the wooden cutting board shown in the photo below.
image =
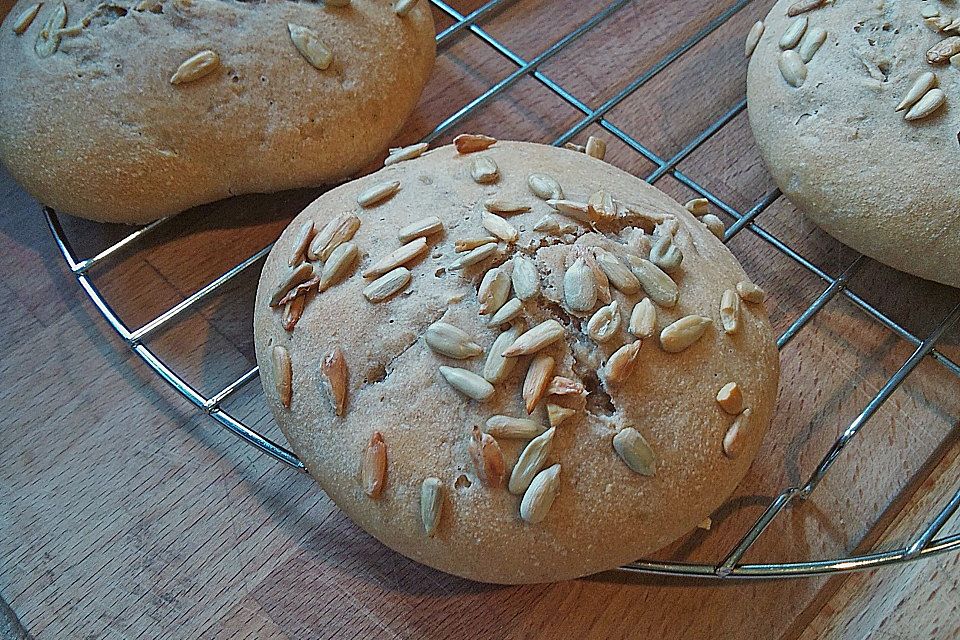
(127, 513)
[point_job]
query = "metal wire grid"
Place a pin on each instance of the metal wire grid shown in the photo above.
(925, 544)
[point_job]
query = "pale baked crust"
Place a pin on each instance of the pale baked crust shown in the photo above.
(840, 151)
(604, 514)
(98, 130)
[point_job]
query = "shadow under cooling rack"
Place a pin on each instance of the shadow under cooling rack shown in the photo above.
(924, 544)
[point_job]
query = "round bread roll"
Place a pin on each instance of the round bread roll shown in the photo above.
(139, 109)
(856, 109)
(517, 395)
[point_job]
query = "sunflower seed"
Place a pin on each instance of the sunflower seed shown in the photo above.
(510, 310)
(811, 43)
(750, 292)
(792, 68)
(479, 254)
(195, 67)
(526, 280)
(487, 458)
(483, 170)
(622, 362)
(538, 378)
(730, 311)
(378, 193)
(665, 254)
(295, 276)
(310, 46)
(498, 205)
(470, 142)
(405, 153)
(514, 428)
(579, 286)
(572, 209)
(753, 38)
(467, 382)
(23, 22)
(292, 312)
(562, 386)
(452, 341)
(387, 285)
(943, 50)
(557, 414)
(373, 466)
(338, 265)
(497, 367)
(705, 524)
(792, 34)
(499, 227)
(658, 285)
(643, 319)
(601, 205)
(605, 323)
(431, 504)
(48, 40)
(420, 229)
(596, 148)
(469, 244)
(683, 333)
(930, 102)
(332, 235)
(924, 82)
(532, 458)
(403, 7)
(397, 257)
(714, 225)
(730, 398)
(953, 26)
(733, 441)
(635, 452)
(802, 6)
(303, 288)
(669, 227)
(494, 291)
(553, 225)
(617, 273)
(304, 237)
(540, 336)
(698, 207)
(282, 374)
(574, 147)
(334, 369)
(544, 186)
(938, 23)
(538, 499)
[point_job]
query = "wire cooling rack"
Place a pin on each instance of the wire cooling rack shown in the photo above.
(925, 544)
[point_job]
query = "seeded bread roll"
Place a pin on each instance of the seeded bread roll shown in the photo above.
(488, 412)
(856, 109)
(143, 108)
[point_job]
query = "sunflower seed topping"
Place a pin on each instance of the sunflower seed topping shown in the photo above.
(750, 292)
(479, 254)
(579, 286)
(431, 504)
(420, 229)
(930, 102)
(282, 374)
(792, 34)
(924, 82)
(333, 234)
(577, 210)
(538, 378)
(292, 312)
(538, 499)
(557, 414)
(467, 382)
(397, 257)
(484, 170)
(544, 186)
(622, 363)
(373, 466)
(733, 441)
(338, 265)
(683, 333)
(311, 47)
(792, 68)
(510, 310)
(193, 68)
(643, 319)
(451, 341)
(617, 273)
(605, 323)
(658, 285)
(941, 52)
(730, 398)
(665, 254)
(403, 7)
(304, 236)
(714, 225)
(497, 367)
(500, 227)
(378, 193)
(387, 285)
(802, 6)
(494, 291)
(405, 153)
(635, 452)
(509, 427)
(469, 244)
(526, 280)
(596, 148)
(470, 142)
(530, 462)
(812, 40)
(334, 370)
(698, 207)
(540, 336)
(730, 311)
(25, 19)
(498, 205)
(753, 38)
(297, 275)
(487, 458)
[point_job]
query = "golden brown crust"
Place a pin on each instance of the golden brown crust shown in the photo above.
(98, 130)
(840, 151)
(604, 514)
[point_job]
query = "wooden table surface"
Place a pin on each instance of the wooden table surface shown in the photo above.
(126, 513)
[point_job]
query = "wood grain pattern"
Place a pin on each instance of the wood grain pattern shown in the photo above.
(126, 513)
